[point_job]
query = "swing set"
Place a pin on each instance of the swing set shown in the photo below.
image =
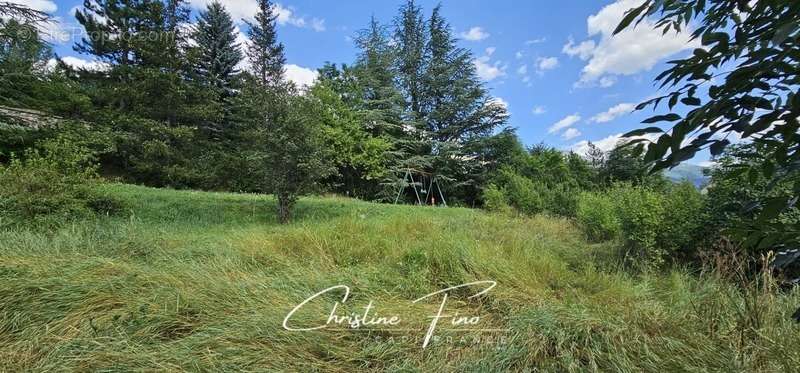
(424, 178)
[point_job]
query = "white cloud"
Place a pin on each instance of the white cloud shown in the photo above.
(629, 52)
(607, 81)
(55, 31)
(46, 6)
(568, 121)
(318, 24)
(519, 55)
(475, 34)
(539, 110)
(80, 64)
(59, 32)
(247, 9)
(522, 70)
(490, 51)
(499, 101)
(583, 50)
(535, 41)
(243, 42)
(546, 63)
(606, 144)
(614, 113)
(487, 70)
(570, 134)
(301, 76)
(239, 9)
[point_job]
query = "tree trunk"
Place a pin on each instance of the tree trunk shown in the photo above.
(284, 209)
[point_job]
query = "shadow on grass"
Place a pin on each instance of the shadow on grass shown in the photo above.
(162, 206)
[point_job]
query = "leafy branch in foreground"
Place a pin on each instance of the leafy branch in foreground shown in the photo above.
(747, 65)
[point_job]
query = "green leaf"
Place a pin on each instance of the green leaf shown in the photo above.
(658, 150)
(662, 118)
(784, 32)
(629, 17)
(714, 37)
(772, 209)
(643, 131)
(691, 101)
(718, 147)
(673, 101)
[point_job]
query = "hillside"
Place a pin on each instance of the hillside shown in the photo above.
(691, 172)
(191, 281)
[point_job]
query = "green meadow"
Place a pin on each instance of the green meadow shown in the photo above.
(194, 281)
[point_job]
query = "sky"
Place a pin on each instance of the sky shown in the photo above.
(565, 79)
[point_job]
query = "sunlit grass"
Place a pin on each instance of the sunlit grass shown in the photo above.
(190, 281)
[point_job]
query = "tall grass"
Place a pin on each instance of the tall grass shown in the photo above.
(190, 281)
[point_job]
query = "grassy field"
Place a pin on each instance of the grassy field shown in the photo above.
(190, 281)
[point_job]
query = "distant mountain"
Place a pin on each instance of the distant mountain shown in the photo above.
(687, 171)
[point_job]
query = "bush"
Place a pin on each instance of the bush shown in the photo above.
(641, 216)
(522, 193)
(560, 199)
(654, 226)
(597, 214)
(50, 185)
(495, 200)
(682, 220)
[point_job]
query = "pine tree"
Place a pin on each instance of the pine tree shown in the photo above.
(381, 101)
(457, 111)
(265, 52)
(218, 53)
(454, 103)
(23, 55)
(176, 14)
(129, 36)
(596, 156)
(23, 13)
(410, 39)
(119, 32)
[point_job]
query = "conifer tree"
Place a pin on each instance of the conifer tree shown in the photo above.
(218, 53)
(382, 102)
(410, 38)
(128, 36)
(119, 32)
(265, 52)
(454, 103)
(176, 14)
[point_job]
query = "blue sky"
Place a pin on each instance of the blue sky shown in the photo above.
(565, 79)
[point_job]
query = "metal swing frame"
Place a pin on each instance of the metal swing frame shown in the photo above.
(434, 180)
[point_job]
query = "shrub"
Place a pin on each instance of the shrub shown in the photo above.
(597, 214)
(682, 220)
(653, 225)
(522, 193)
(560, 199)
(641, 214)
(50, 185)
(495, 200)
